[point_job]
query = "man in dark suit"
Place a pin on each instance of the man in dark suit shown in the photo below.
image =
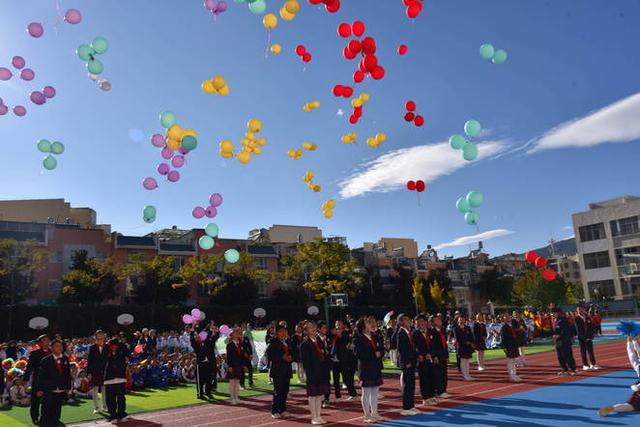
(31, 375)
(440, 356)
(585, 332)
(115, 380)
(422, 339)
(203, 365)
(54, 383)
(95, 370)
(247, 354)
(407, 362)
(213, 334)
(563, 339)
(279, 354)
(347, 363)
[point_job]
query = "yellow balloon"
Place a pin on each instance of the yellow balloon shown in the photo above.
(173, 144)
(364, 97)
(254, 125)
(328, 214)
(284, 14)
(261, 141)
(356, 102)
(306, 108)
(218, 82)
(224, 91)
(316, 188)
(270, 21)
(226, 154)
(309, 146)
(276, 49)
(381, 137)
(257, 150)
(189, 132)
(331, 203)
(226, 146)
(207, 87)
(244, 157)
(174, 132)
(292, 6)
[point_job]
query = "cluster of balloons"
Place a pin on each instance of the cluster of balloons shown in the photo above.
(472, 129)
(376, 141)
(357, 104)
(40, 97)
(103, 83)
(216, 85)
(301, 51)
(88, 53)
(207, 241)
(250, 143)
(290, 10)
(26, 74)
(349, 138)
(366, 48)
(411, 116)
(418, 186)
(403, 49)
(18, 62)
(297, 154)
(308, 178)
(310, 106)
(215, 201)
(216, 8)
(413, 8)
(332, 6)
(327, 208)
(270, 21)
(342, 91)
(195, 316)
(541, 263)
(465, 205)
(490, 53)
(149, 214)
(257, 7)
(51, 149)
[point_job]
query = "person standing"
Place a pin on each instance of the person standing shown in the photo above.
(510, 345)
(210, 343)
(115, 380)
(31, 375)
(203, 365)
(247, 356)
(480, 339)
(347, 363)
(563, 339)
(422, 338)
(440, 356)
(314, 359)
(54, 382)
(97, 357)
(331, 366)
(407, 362)
(235, 364)
(464, 339)
(296, 342)
(279, 353)
(585, 333)
(369, 356)
(518, 325)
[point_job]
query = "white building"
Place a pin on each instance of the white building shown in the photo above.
(608, 244)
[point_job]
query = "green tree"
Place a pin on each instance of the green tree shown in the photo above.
(418, 297)
(575, 293)
(403, 282)
(90, 280)
(437, 294)
(532, 290)
(156, 282)
(492, 286)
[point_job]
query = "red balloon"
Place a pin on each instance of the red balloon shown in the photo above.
(357, 111)
(358, 76)
(410, 106)
(338, 90)
(333, 8)
(358, 28)
(411, 185)
(407, 2)
(347, 91)
(300, 50)
(540, 262)
(409, 117)
(377, 73)
(354, 46)
(344, 30)
(531, 256)
(315, 1)
(138, 349)
(362, 67)
(306, 57)
(370, 62)
(353, 119)
(419, 121)
(347, 53)
(403, 49)
(414, 10)
(420, 186)
(549, 274)
(369, 45)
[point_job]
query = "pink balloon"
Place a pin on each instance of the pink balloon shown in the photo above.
(3, 110)
(177, 161)
(163, 168)
(38, 98)
(19, 110)
(198, 212)
(222, 6)
(173, 176)
(215, 199)
(5, 74)
(27, 74)
(49, 91)
(211, 212)
(18, 62)
(187, 319)
(166, 153)
(150, 183)
(35, 29)
(203, 335)
(73, 16)
(157, 140)
(225, 330)
(195, 313)
(210, 4)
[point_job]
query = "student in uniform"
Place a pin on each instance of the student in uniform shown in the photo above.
(115, 380)
(563, 339)
(279, 353)
(347, 362)
(422, 339)
(390, 336)
(54, 382)
(369, 356)
(585, 333)
(407, 361)
(633, 404)
(518, 325)
(31, 375)
(480, 339)
(247, 355)
(329, 365)
(235, 361)
(440, 357)
(296, 342)
(213, 334)
(314, 358)
(96, 359)
(203, 365)
(510, 346)
(464, 339)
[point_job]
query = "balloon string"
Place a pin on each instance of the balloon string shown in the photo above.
(418, 196)
(58, 15)
(266, 51)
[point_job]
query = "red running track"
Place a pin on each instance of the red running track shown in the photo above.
(493, 382)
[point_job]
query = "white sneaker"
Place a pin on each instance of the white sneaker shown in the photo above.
(318, 422)
(573, 373)
(433, 401)
(96, 411)
(322, 420)
(369, 420)
(595, 367)
(376, 416)
(586, 368)
(481, 368)
(415, 411)
(406, 413)
(563, 373)
(444, 395)
(276, 416)
(515, 379)
(467, 378)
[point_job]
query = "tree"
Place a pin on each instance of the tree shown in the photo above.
(492, 286)
(418, 297)
(575, 293)
(532, 290)
(437, 294)
(90, 280)
(156, 281)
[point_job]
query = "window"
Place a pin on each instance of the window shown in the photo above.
(55, 288)
(262, 290)
(592, 232)
(601, 288)
(626, 256)
(596, 260)
(624, 226)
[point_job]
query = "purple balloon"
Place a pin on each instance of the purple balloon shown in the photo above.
(35, 29)
(157, 140)
(18, 62)
(222, 6)
(38, 98)
(177, 161)
(210, 4)
(173, 176)
(73, 16)
(211, 212)
(5, 74)
(183, 151)
(187, 319)
(19, 110)
(215, 199)
(163, 168)
(49, 91)
(150, 183)
(27, 74)
(198, 212)
(166, 153)
(203, 335)
(3, 110)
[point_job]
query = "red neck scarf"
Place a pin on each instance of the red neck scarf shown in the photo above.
(319, 349)
(443, 338)
(238, 347)
(427, 338)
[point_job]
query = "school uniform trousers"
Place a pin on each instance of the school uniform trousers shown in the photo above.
(407, 362)
(585, 332)
(347, 363)
(203, 367)
(422, 340)
(439, 351)
(278, 353)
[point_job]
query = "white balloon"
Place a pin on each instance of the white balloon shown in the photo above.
(105, 85)
(259, 312)
(38, 323)
(125, 319)
(93, 77)
(313, 310)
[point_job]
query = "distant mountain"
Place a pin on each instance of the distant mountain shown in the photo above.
(562, 247)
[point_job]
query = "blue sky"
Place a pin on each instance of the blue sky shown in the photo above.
(566, 60)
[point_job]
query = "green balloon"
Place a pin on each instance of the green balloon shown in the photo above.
(475, 199)
(85, 52)
(206, 242)
(258, 7)
(49, 162)
(57, 148)
(486, 51)
(499, 56)
(94, 66)
(231, 255)
(100, 44)
(457, 141)
(462, 205)
(212, 230)
(189, 143)
(472, 128)
(471, 218)
(149, 219)
(167, 119)
(44, 146)
(470, 151)
(149, 211)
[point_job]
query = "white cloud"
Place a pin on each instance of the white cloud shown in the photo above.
(475, 238)
(618, 122)
(392, 170)
(568, 227)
